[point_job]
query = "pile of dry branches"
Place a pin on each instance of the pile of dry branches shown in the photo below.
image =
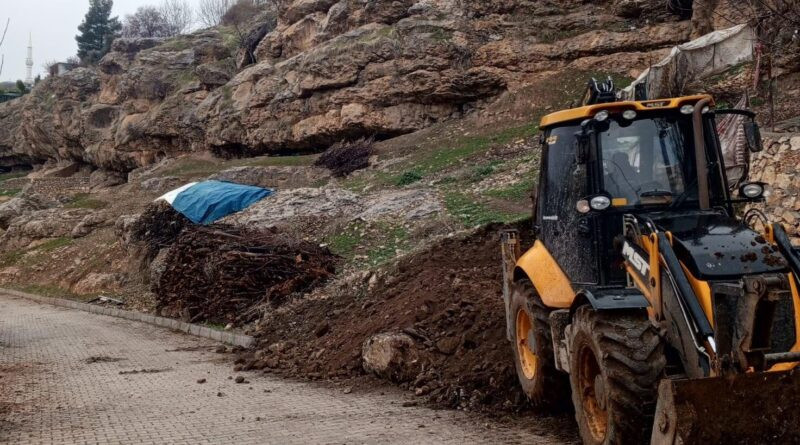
(224, 274)
(344, 158)
(157, 227)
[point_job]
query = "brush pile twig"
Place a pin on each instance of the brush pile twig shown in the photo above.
(344, 158)
(221, 273)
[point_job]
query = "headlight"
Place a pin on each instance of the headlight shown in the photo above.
(629, 114)
(583, 206)
(600, 202)
(752, 190)
(687, 109)
(601, 115)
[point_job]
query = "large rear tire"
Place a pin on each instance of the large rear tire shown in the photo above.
(617, 360)
(545, 386)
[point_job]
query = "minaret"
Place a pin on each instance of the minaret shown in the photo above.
(29, 62)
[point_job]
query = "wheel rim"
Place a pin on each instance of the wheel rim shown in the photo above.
(593, 394)
(527, 359)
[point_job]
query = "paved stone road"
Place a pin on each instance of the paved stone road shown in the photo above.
(51, 392)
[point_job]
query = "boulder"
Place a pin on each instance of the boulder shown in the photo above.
(628, 8)
(41, 225)
(15, 207)
(393, 356)
(161, 184)
(212, 76)
(90, 223)
(101, 178)
(133, 45)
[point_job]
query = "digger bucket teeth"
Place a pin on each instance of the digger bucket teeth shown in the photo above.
(751, 408)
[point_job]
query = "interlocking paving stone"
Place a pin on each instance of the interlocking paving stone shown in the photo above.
(51, 394)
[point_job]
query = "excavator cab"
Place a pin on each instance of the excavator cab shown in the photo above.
(646, 296)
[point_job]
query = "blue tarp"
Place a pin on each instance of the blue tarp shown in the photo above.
(209, 201)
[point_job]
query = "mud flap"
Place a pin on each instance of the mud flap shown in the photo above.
(749, 408)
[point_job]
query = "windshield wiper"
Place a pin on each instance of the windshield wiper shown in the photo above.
(685, 195)
(652, 193)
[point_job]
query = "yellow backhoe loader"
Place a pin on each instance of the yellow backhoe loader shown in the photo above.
(645, 300)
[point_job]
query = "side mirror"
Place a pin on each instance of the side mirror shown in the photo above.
(753, 135)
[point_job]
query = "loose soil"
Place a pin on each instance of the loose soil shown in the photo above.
(448, 298)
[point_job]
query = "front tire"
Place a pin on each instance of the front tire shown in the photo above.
(544, 385)
(617, 360)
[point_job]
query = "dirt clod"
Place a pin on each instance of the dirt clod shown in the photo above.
(103, 359)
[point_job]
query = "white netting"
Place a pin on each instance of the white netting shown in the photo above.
(710, 54)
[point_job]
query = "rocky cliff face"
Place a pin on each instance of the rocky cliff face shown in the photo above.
(328, 71)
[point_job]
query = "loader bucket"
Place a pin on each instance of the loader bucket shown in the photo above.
(753, 408)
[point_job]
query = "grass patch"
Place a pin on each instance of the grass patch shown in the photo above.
(344, 243)
(368, 244)
(195, 168)
(53, 244)
(515, 192)
(174, 45)
(278, 161)
(408, 177)
(431, 162)
(214, 326)
(48, 291)
(12, 175)
(14, 257)
(5, 191)
(11, 258)
(85, 201)
(9, 192)
(472, 213)
(394, 238)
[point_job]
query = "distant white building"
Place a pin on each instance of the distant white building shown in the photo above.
(60, 68)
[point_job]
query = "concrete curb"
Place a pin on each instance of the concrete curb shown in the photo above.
(230, 338)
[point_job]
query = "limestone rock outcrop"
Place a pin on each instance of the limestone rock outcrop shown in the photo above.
(320, 72)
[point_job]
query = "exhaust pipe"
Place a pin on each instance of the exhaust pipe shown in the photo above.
(700, 155)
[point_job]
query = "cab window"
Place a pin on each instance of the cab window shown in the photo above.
(645, 161)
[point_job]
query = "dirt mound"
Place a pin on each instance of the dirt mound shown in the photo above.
(344, 158)
(224, 274)
(447, 298)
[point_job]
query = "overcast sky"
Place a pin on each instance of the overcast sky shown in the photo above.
(53, 25)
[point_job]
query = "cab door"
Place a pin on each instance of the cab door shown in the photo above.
(567, 234)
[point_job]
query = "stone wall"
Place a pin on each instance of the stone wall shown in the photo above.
(777, 166)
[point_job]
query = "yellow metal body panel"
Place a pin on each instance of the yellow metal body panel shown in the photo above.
(703, 291)
(588, 111)
(547, 277)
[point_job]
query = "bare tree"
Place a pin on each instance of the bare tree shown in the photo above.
(147, 21)
(178, 15)
(210, 12)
